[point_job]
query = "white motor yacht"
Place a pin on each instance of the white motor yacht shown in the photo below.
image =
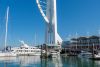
(54, 54)
(95, 56)
(24, 49)
(85, 54)
(7, 54)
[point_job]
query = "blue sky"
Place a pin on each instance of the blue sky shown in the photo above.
(25, 20)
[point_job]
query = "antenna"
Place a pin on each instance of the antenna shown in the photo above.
(88, 40)
(76, 36)
(69, 37)
(35, 38)
(99, 36)
(6, 27)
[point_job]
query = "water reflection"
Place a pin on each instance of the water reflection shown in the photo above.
(79, 62)
(36, 61)
(52, 62)
(28, 60)
(57, 62)
(8, 59)
(21, 61)
(69, 61)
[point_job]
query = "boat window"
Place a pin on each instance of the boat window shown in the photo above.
(20, 50)
(26, 48)
(12, 50)
(37, 51)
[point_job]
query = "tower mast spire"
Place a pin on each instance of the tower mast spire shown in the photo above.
(49, 13)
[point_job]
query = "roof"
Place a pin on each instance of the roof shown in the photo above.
(85, 38)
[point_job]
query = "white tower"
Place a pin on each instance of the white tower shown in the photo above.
(48, 11)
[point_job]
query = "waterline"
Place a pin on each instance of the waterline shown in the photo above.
(36, 61)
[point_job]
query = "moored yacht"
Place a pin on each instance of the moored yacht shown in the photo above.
(85, 54)
(95, 56)
(6, 53)
(24, 49)
(54, 54)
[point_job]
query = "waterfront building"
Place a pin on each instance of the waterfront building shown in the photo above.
(83, 43)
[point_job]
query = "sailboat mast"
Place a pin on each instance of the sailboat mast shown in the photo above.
(76, 35)
(35, 39)
(6, 27)
(88, 41)
(99, 37)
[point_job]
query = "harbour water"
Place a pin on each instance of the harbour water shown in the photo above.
(36, 61)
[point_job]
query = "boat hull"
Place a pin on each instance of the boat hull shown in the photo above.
(7, 54)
